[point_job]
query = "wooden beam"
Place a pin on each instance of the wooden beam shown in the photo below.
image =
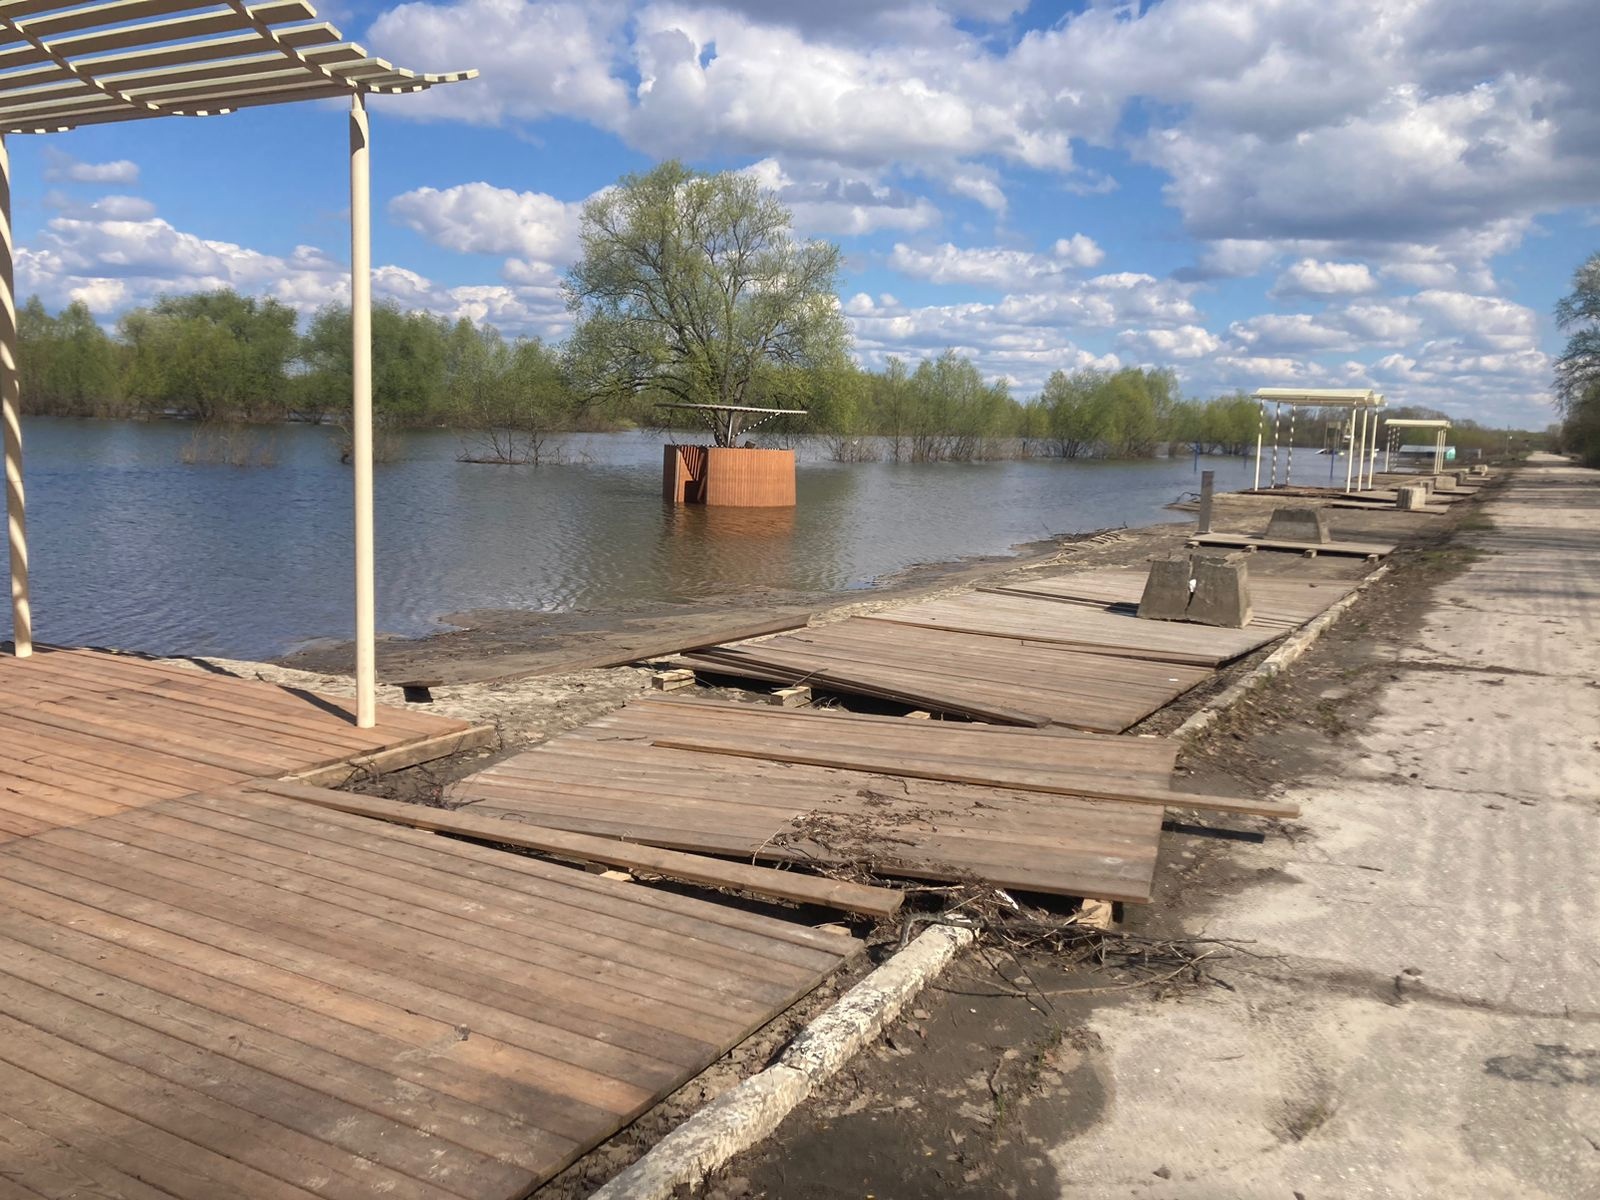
(766, 882)
(399, 757)
(998, 775)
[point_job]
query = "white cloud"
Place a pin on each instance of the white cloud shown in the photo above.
(61, 167)
(829, 200)
(1161, 346)
(994, 266)
(479, 218)
(1312, 277)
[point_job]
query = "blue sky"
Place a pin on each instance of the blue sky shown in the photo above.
(1337, 192)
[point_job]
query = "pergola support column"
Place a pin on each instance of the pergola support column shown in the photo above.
(1261, 422)
(11, 419)
(361, 411)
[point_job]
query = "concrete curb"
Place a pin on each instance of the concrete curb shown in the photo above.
(1296, 645)
(743, 1115)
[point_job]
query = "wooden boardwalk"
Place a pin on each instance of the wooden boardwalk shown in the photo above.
(232, 994)
(743, 793)
(86, 733)
(209, 991)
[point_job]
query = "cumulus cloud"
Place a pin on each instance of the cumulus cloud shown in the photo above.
(61, 167)
(829, 200)
(993, 266)
(479, 218)
(1311, 277)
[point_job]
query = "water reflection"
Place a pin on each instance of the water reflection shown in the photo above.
(133, 548)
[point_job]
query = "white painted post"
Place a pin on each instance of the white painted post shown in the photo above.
(11, 419)
(1288, 467)
(1261, 422)
(361, 410)
(1350, 452)
(1388, 449)
(1277, 416)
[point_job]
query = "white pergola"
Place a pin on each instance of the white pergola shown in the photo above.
(63, 66)
(1439, 426)
(1362, 424)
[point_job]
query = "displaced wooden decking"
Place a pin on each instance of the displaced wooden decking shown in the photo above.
(86, 733)
(207, 990)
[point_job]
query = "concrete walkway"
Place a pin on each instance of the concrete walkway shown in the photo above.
(1433, 1027)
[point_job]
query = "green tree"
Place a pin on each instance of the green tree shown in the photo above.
(692, 288)
(1578, 369)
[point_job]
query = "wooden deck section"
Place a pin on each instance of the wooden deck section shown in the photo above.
(233, 994)
(1046, 621)
(1246, 542)
(85, 734)
(1276, 602)
(1007, 680)
(618, 777)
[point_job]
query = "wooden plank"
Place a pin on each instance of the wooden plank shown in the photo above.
(1360, 549)
(476, 737)
(759, 881)
(1085, 629)
(995, 775)
(648, 647)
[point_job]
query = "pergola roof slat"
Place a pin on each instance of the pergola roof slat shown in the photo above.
(299, 36)
(130, 59)
(156, 33)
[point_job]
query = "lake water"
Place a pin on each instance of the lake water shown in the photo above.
(134, 548)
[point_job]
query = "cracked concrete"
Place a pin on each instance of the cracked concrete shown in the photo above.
(1425, 1020)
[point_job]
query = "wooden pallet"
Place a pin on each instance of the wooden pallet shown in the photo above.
(1244, 541)
(87, 733)
(232, 994)
(1123, 635)
(1005, 680)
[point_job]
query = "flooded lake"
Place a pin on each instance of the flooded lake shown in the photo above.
(132, 547)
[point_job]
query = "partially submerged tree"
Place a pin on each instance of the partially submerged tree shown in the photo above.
(692, 288)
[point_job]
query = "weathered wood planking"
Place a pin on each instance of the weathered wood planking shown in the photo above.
(1122, 635)
(1244, 541)
(87, 733)
(1275, 602)
(610, 778)
(764, 882)
(1005, 680)
(233, 994)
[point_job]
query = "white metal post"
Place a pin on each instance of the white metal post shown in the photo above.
(361, 410)
(1261, 421)
(11, 419)
(1350, 451)
(1366, 438)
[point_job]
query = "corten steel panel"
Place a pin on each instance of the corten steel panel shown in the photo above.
(745, 478)
(683, 472)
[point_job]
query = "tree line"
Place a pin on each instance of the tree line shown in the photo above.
(1578, 369)
(690, 289)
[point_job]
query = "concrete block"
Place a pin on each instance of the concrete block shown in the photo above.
(1461, 477)
(1443, 483)
(1298, 525)
(1166, 590)
(1221, 592)
(1478, 469)
(1208, 589)
(1411, 497)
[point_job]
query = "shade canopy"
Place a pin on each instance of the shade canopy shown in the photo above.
(1321, 397)
(63, 65)
(1415, 423)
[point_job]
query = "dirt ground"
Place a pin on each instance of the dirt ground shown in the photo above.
(958, 1098)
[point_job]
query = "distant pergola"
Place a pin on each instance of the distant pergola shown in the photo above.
(1360, 403)
(1392, 430)
(63, 66)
